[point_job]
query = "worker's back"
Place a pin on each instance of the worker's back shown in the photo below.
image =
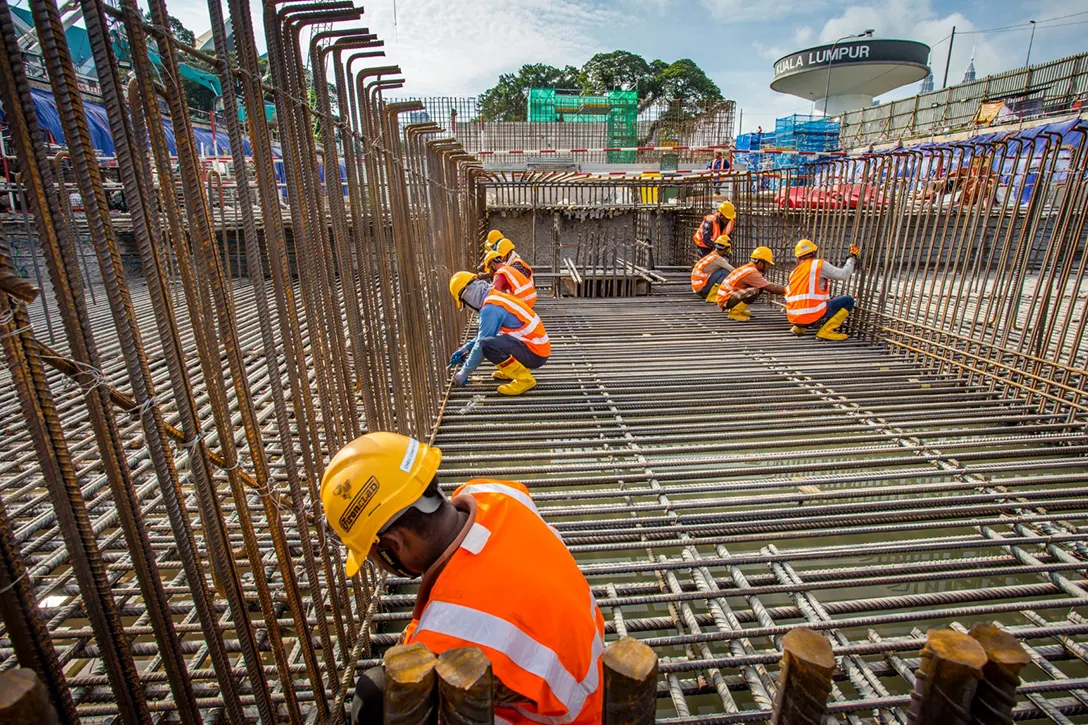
(513, 590)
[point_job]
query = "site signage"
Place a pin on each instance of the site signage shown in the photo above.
(852, 52)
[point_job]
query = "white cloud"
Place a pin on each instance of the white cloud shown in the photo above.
(802, 35)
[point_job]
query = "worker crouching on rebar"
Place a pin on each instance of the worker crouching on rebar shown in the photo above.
(708, 272)
(809, 302)
(538, 625)
(511, 335)
(746, 283)
(720, 222)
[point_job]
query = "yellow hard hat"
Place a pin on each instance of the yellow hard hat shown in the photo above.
(723, 241)
(763, 254)
(493, 236)
(369, 482)
(491, 257)
(458, 282)
(504, 246)
(805, 246)
(727, 210)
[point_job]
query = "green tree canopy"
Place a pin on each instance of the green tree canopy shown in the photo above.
(507, 100)
(682, 84)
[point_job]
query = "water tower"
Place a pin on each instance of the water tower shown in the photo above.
(849, 74)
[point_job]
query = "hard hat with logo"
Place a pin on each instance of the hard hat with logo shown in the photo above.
(805, 246)
(727, 210)
(763, 254)
(504, 246)
(491, 257)
(723, 242)
(458, 282)
(370, 482)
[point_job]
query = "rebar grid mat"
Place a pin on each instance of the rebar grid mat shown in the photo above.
(722, 482)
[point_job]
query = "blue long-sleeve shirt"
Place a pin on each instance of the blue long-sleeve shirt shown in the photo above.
(492, 319)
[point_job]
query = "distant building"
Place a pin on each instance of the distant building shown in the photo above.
(969, 74)
(927, 83)
(206, 42)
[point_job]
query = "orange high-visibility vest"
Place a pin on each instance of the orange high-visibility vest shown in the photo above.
(513, 590)
(531, 331)
(729, 284)
(807, 294)
(699, 275)
(715, 232)
(521, 284)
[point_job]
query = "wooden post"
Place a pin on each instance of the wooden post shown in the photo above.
(23, 699)
(804, 680)
(996, 693)
(948, 677)
(630, 683)
(465, 691)
(410, 686)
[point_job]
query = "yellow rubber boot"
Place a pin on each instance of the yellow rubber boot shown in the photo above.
(828, 330)
(522, 380)
(796, 330)
(740, 312)
(502, 370)
(712, 295)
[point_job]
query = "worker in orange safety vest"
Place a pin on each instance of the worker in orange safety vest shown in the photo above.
(511, 335)
(746, 283)
(512, 274)
(808, 300)
(713, 226)
(538, 625)
(709, 271)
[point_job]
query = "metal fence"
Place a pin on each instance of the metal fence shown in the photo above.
(660, 124)
(1036, 91)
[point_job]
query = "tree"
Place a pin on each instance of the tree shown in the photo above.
(682, 84)
(618, 70)
(177, 29)
(507, 100)
(686, 82)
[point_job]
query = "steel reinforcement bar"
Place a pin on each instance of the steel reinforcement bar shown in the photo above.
(163, 453)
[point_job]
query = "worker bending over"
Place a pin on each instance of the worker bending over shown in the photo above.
(512, 274)
(746, 283)
(714, 225)
(809, 301)
(494, 576)
(511, 335)
(709, 271)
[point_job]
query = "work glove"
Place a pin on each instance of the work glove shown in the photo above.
(461, 378)
(854, 250)
(458, 357)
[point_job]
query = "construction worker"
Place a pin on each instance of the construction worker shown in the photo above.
(493, 236)
(511, 335)
(512, 274)
(709, 271)
(746, 283)
(714, 225)
(809, 302)
(538, 624)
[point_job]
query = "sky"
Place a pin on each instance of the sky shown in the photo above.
(459, 47)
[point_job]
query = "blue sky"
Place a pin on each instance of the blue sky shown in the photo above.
(459, 47)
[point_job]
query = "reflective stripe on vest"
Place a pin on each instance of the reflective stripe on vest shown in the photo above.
(531, 332)
(546, 647)
(806, 294)
(699, 275)
(715, 231)
(729, 284)
(521, 285)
